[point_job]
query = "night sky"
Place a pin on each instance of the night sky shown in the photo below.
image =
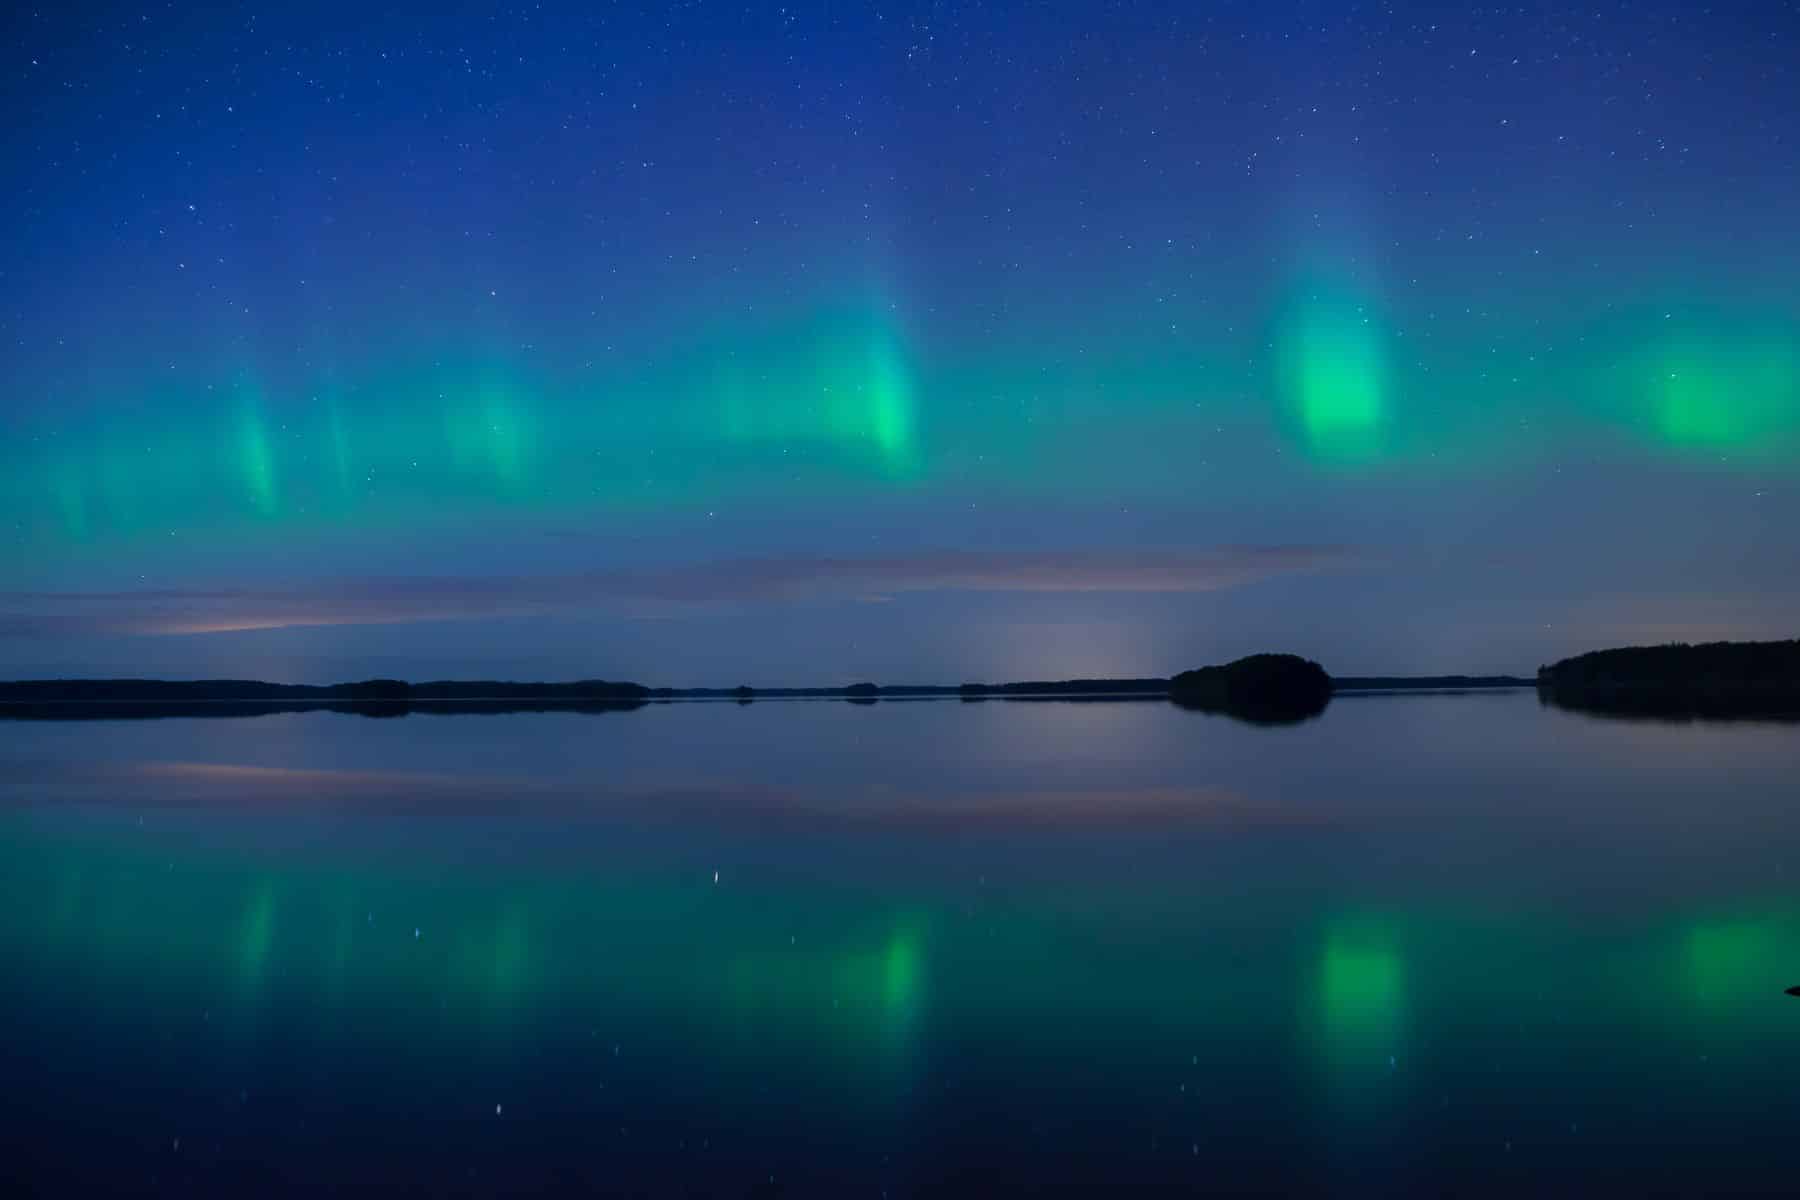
(811, 343)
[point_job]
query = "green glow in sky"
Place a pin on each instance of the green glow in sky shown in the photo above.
(1734, 389)
(339, 448)
(842, 401)
(890, 402)
(821, 397)
(71, 504)
(255, 459)
(1332, 364)
(836, 379)
(489, 436)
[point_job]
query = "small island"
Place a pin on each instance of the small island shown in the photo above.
(1262, 688)
(1679, 681)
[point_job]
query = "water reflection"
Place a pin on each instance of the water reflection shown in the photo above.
(1734, 965)
(1075, 946)
(1676, 709)
(1360, 998)
(374, 709)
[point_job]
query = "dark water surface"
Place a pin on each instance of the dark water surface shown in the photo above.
(1434, 944)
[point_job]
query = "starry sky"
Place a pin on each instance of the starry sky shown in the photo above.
(805, 343)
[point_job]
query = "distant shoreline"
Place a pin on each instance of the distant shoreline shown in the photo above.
(163, 692)
(141, 699)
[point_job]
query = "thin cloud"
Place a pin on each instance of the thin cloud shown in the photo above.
(651, 592)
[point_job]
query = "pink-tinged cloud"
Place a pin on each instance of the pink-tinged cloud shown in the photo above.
(651, 592)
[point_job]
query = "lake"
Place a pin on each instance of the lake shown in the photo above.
(1422, 944)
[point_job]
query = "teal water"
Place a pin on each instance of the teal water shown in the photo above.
(1422, 944)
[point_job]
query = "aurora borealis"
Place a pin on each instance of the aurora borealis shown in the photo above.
(1496, 310)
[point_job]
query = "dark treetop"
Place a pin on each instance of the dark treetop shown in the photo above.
(1714, 679)
(1274, 687)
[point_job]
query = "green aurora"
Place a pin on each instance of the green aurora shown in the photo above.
(839, 400)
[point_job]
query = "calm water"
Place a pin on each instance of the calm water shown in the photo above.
(1430, 944)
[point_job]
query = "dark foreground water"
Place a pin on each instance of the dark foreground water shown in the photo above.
(1436, 944)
